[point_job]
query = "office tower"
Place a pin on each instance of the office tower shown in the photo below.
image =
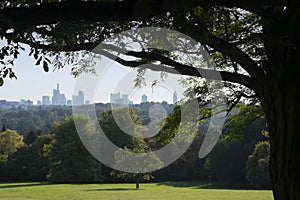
(78, 99)
(144, 98)
(174, 97)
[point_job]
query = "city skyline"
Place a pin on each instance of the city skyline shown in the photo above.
(59, 99)
(33, 83)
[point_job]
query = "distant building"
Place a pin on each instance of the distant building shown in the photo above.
(118, 98)
(114, 97)
(58, 99)
(78, 100)
(24, 102)
(174, 97)
(46, 101)
(8, 104)
(38, 103)
(144, 98)
(69, 102)
(125, 99)
(87, 102)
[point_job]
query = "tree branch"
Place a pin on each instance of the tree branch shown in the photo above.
(253, 36)
(255, 6)
(173, 67)
(97, 11)
(203, 36)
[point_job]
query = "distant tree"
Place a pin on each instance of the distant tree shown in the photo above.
(258, 166)
(126, 162)
(227, 161)
(10, 142)
(127, 142)
(31, 136)
(70, 161)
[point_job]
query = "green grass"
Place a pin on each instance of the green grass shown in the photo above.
(170, 191)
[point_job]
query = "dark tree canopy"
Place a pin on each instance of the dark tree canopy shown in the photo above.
(254, 44)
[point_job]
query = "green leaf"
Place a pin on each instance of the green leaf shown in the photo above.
(1, 81)
(45, 66)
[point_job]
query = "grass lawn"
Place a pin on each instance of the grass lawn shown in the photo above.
(168, 191)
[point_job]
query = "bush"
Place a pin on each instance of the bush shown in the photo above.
(258, 166)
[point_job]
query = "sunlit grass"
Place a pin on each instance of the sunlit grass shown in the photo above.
(42, 191)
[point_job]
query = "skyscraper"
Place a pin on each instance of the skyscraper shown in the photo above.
(174, 97)
(118, 98)
(69, 102)
(144, 98)
(46, 101)
(78, 100)
(58, 99)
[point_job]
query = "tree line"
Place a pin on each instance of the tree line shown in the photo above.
(240, 157)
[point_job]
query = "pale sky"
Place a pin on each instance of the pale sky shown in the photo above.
(33, 83)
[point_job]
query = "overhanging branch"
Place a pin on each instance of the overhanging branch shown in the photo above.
(177, 68)
(204, 37)
(96, 11)
(103, 11)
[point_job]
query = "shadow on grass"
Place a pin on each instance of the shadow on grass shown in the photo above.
(113, 189)
(18, 185)
(209, 185)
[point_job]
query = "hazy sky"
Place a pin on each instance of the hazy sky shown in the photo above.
(33, 83)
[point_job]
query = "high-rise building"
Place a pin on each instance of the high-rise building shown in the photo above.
(144, 98)
(46, 101)
(24, 102)
(78, 100)
(8, 104)
(58, 99)
(69, 102)
(118, 98)
(114, 97)
(174, 97)
(125, 99)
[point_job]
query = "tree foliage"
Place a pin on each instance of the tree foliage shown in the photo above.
(258, 166)
(30, 162)
(227, 161)
(70, 161)
(10, 142)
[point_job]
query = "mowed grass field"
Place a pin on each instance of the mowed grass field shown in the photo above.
(161, 191)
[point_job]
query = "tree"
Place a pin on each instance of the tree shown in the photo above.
(122, 139)
(122, 161)
(254, 44)
(10, 142)
(258, 166)
(113, 131)
(70, 161)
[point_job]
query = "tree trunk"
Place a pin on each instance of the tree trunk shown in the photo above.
(285, 147)
(279, 96)
(282, 108)
(137, 182)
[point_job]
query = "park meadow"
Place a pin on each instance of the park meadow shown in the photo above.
(124, 191)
